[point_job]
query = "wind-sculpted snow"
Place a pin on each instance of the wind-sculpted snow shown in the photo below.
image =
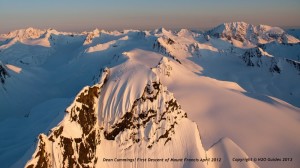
(152, 117)
(153, 121)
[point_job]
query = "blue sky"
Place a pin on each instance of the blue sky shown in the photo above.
(78, 15)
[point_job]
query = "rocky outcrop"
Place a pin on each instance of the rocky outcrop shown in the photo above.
(90, 36)
(74, 141)
(258, 58)
(293, 63)
(161, 45)
(66, 148)
(151, 119)
(145, 114)
(3, 73)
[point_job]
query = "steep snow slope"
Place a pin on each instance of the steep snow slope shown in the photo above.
(254, 69)
(223, 109)
(290, 51)
(131, 120)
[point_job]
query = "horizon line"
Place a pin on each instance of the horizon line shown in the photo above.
(81, 30)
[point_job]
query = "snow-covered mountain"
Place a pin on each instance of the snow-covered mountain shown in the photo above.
(247, 34)
(132, 95)
(120, 118)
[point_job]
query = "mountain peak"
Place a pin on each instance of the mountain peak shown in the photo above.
(154, 119)
(28, 33)
(248, 33)
(161, 30)
(90, 36)
(185, 33)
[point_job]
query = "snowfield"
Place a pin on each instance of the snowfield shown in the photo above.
(228, 97)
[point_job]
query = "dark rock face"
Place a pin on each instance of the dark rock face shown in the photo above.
(43, 156)
(74, 151)
(158, 46)
(90, 36)
(86, 116)
(170, 41)
(236, 31)
(75, 141)
(255, 58)
(295, 64)
(3, 74)
(137, 118)
(250, 54)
